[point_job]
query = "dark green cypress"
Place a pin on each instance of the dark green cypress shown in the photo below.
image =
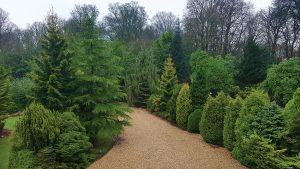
(253, 68)
(179, 56)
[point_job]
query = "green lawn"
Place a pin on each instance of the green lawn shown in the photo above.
(5, 143)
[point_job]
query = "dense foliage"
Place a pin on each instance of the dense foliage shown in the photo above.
(282, 80)
(171, 105)
(252, 105)
(193, 121)
(183, 106)
(53, 75)
(21, 90)
(232, 114)
(58, 140)
(253, 67)
(167, 83)
(210, 75)
(212, 120)
(291, 115)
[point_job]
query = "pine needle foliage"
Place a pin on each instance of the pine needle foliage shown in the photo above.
(167, 83)
(99, 94)
(52, 74)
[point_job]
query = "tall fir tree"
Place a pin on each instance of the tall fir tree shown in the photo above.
(99, 94)
(167, 83)
(52, 74)
(253, 68)
(178, 54)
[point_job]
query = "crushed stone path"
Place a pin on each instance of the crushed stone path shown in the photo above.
(153, 143)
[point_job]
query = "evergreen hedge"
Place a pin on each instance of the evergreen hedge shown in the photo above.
(212, 120)
(232, 113)
(193, 121)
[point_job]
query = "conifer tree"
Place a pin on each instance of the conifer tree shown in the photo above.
(99, 95)
(179, 56)
(253, 68)
(147, 77)
(5, 99)
(183, 106)
(212, 120)
(167, 83)
(252, 105)
(53, 74)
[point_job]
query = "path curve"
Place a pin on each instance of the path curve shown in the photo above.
(152, 143)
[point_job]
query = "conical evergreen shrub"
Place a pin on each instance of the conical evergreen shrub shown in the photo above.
(183, 106)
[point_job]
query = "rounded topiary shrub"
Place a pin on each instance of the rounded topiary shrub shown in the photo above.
(212, 120)
(232, 113)
(183, 106)
(282, 80)
(193, 121)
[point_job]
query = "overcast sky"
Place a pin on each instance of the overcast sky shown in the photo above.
(24, 12)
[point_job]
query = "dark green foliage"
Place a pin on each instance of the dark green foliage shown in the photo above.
(253, 68)
(21, 89)
(282, 80)
(46, 158)
(179, 56)
(269, 123)
(291, 115)
(53, 75)
(252, 105)
(199, 92)
(232, 114)
(99, 94)
(193, 121)
(167, 83)
(38, 127)
(212, 120)
(161, 49)
(183, 106)
(209, 75)
(5, 96)
(171, 105)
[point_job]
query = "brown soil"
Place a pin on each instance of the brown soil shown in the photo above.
(152, 143)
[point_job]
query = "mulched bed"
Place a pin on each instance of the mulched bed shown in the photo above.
(5, 133)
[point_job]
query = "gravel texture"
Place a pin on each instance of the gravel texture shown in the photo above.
(152, 143)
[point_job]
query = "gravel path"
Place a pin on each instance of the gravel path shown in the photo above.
(152, 143)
